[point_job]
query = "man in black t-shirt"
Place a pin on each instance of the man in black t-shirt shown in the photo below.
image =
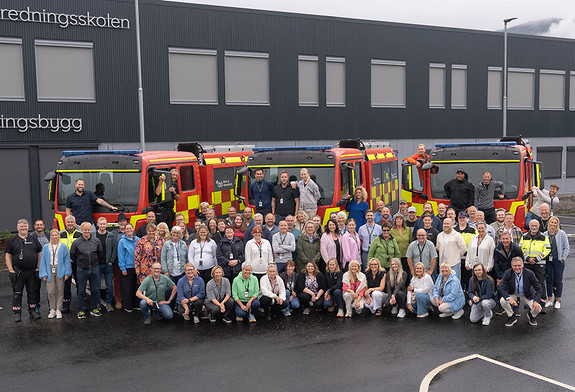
(23, 261)
(285, 198)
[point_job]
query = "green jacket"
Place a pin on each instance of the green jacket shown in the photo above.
(241, 285)
(307, 251)
(384, 251)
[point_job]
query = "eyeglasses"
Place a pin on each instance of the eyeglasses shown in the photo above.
(385, 230)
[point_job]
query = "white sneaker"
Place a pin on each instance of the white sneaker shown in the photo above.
(548, 304)
(306, 311)
(348, 314)
(423, 315)
(457, 315)
(557, 305)
(444, 315)
(340, 313)
(401, 313)
(52, 313)
(58, 314)
(196, 319)
(486, 321)
(394, 310)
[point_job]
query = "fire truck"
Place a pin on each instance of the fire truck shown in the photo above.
(509, 160)
(337, 170)
(128, 179)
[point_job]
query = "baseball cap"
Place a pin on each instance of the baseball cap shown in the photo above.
(121, 217)
(402, 201)
(411, 209)
(460, 170)
(463, 214)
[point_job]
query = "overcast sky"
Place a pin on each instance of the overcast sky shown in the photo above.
(472, 14)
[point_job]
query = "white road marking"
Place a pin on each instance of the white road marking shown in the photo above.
(424, 386)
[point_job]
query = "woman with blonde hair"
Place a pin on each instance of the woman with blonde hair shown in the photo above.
(203, 253)
(395, 285)
(354, 285)
(357, 206)
(556, 264)
(163, 231)
(374, 295)
(420, 291)
(309, 193)
(448, 294)
(273, 294)
(333, 295)
(55, 269)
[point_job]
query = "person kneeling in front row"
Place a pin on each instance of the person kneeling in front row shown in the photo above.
(481, 295)
(191, 292)
(219, 300)
(152, 292)
(519, 282)
(245, 291)
(448, 294)
(273, 293)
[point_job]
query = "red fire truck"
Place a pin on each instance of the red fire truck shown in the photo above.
(509, 160)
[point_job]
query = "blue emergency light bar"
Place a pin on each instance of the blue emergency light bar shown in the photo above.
(292, 148)
(486, 144)
(100, 152)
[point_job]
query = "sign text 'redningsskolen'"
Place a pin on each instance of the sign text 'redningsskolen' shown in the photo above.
(23, 124)
(64, 20)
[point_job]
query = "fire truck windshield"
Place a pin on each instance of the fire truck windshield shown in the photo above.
(324, 177)
(507, 172)
(117, 188)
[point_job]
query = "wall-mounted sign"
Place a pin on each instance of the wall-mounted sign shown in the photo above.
(64, 20)
(23, 124)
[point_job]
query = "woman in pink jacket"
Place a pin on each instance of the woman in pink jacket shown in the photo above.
(350, 245)
(331, 242)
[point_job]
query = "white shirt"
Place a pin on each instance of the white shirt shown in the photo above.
(203, 254)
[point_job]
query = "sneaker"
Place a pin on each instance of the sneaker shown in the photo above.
(348, 314)
(287, 312)
(239, 319)
(331, 309)
(306, 311)
(486, 321)
(227, 320)
(423, 315)
(499, 311)
(548, 304)
(109, 308)
(394, 310)
(252, 318)
(457, 315)
(34, 314)
(95, 313)
(186, 317)
(17, 317)
(81, 315)
(66, 309)
(557, 305)
(118, 305)
(129, 310)
(510, 321)
(58, 314)
(401, 313)
(148, 321)
(52, 314)
(196, 320)
(212, 320)
(340, 313)
(532, 319)
(444, 315)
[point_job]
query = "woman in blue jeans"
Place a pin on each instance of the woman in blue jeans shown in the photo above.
(333, 294)
(290, 277)
(556, 264)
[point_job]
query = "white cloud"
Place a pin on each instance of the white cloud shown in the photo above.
(565, 28)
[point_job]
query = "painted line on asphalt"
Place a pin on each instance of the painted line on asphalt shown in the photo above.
(424, 387)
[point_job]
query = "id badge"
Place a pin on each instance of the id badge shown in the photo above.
(201, 263)
(231, 256)
(53, 270)
(246, 294)
(261, 262)
(260, 204)
(281, 200)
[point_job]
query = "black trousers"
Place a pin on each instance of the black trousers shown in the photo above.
(304, 299)
(215, 310)
(400, 297)
(27, 279)
(195, 307)
(539, 271)
(270, 306)
(489, 214)
(129, 289)
(68, 286)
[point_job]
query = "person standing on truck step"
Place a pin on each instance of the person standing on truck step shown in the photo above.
(285, 198)
(484, 195)
(419, 159)
(542, 196)
(309, 193)
(168, 214)
(459, 191)
(261, 191)
(80, 203)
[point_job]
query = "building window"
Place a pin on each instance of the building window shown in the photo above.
(494, 87)
(551, 90)
(458, 86)
(308, 80)
(193, 76)
(520, 88)
(335, 81)
(65, 71)
(570, 161)
(551, 158)
(388, 84)
(247, 78)
(572, 91)
(11, 70)
(437, 86)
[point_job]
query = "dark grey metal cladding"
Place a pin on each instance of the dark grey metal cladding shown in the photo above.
(103, 161)
(291, 157)
(475, 153)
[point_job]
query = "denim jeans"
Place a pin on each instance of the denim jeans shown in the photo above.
(85, 275)
(294, 303)
(253, 310)
(554, 270)
(422, 300)
(108, 271)
(163, 310)
(281, 267)
(336, 297)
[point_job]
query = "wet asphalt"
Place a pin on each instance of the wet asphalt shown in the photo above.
(316, 352)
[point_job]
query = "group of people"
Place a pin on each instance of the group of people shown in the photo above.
(275, 264)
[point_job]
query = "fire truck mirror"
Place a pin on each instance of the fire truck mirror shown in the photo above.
(429, 165)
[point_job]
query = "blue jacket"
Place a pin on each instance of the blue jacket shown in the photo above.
(485, 292)
(169, 250)
(64, 267)
(198, 288)
(452, 292)
(126, 252)
(357, 212)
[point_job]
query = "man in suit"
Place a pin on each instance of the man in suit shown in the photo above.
(521, 283)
